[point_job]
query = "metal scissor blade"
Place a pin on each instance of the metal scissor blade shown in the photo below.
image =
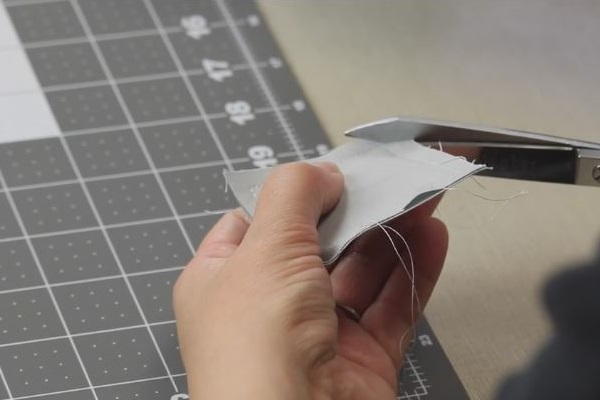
(510, 153)
(429, 130)
(556, 165)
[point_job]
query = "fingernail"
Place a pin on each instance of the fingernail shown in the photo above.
(328, 166)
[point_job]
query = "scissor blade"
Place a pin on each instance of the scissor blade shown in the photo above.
(543, 165)
(428, 130)
(510, 153)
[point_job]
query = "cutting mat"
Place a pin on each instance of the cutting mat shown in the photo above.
(131, 110)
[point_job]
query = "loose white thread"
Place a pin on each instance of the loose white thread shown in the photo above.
(503, 200)
(411, 276)
(416, 292)
(478, 183)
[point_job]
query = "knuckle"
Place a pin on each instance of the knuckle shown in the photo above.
(299, 231)
(317, 342)
(294, 271)
(311, 321)
(293, 239)
(216, 249)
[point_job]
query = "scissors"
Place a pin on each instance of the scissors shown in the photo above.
(509, 153)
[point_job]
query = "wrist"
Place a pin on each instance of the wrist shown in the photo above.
(236, 378)
(247, 369)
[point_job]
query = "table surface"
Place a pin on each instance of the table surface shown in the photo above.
(524, 65)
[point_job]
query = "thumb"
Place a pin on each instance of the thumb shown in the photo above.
(291, 201)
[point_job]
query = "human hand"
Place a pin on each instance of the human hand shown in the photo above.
(256, 309)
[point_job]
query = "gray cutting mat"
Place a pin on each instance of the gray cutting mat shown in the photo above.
(153, 98)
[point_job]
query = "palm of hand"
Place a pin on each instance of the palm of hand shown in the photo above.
(372, 281)
(240, 269)
(361, 369)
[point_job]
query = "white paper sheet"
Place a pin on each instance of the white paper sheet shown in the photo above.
(24, 111)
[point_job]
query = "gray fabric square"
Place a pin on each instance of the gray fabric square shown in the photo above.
(45, 21)
(238, 140)
(95, 306)
(180, 144)
(166, 336)
(151, 246)
(240, 87)
(424, 173)
(35, 161)
(171, 12)
(8, 224)
(129, 199)
(135, 56)
(17, 266)
(86, 108)
(42, 367)
(63, 64)
(198, 190)
(28, 315)
(107, 153)
(158, 99)
(75, 256)
(120, 356)
(154, 292)
(112, 16)
(54, 208)
(198, 227)
(218, 45)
